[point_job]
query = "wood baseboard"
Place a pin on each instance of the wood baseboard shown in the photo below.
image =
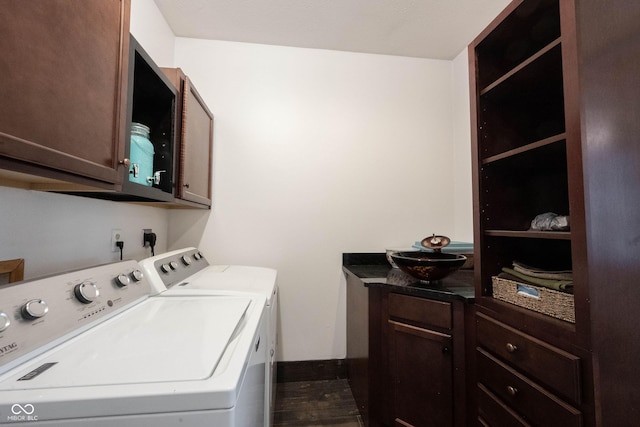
(312, 370)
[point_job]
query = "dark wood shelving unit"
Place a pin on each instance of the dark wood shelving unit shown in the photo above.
(522, 69)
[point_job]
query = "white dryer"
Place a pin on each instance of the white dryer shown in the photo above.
(187, 272)
(90, 348)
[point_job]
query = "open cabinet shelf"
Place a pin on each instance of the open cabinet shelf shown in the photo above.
(521, 144)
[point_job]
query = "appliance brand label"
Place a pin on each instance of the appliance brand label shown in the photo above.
(8, 348)
(40, 369)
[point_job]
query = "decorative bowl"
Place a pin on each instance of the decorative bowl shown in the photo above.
(428, 266)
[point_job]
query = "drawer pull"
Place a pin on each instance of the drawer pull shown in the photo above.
(512, 390)
(511, 348)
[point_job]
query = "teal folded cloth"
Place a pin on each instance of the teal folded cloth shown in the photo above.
(557, 285)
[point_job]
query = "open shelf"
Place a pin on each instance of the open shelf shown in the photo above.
(533, 26)
(522, 67)
(516, 188)
(152, 102)
(525, 148)
(530, 234)
(501, 250)
(526, 107)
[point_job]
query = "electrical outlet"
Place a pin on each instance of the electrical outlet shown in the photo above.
(116, 236)
(145, 232)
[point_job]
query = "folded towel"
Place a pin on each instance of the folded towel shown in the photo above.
(557, 285)
(543, 274)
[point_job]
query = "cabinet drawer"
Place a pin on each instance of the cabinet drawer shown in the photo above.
(553, 367)
(420, 310)
(494, 413)
(532, 402)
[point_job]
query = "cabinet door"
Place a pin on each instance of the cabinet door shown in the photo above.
(194, 180)
(195, 150)
(195, 161)
(63, 87)
(421, 370)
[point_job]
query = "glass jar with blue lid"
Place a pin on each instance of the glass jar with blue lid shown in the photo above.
(141, 154)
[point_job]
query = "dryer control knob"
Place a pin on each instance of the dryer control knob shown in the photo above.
(197, 256)
(165, 268)
(122, 280)
(86, 292)
(137, 275)
(34, 309)
(5, 322)
(173, 265)
(186, 259)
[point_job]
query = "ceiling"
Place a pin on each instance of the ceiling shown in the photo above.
(436, 29)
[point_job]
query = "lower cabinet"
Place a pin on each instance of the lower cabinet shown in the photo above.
(420, 361)
(420, 364)
(406, 357)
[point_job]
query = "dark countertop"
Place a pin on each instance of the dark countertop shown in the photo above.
(374, 270)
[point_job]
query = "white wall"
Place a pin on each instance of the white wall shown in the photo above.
(55, 232)
(319, 153)
(153, 33)
(461, 162)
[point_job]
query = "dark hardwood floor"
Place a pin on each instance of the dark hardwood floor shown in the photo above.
(316, 403)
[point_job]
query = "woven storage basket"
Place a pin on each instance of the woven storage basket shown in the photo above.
(549, 302)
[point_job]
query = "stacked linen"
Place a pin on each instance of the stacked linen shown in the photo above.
(558, 280)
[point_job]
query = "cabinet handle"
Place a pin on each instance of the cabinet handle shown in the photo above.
(512, 390)
(186, 185)
(445, 350)
(511, 348)
(125, 162)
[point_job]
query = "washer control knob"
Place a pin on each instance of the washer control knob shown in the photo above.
(137, 275)
(122, 280)
(86, 292)
(34, 309)
(165, 268)
(197, 256)
(5, 322)
(173, 265)
(186, 259)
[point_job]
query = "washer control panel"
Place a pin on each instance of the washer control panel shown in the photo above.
(35, 314)
(172, 268)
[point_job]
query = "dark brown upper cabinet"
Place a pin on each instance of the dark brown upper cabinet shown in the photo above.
(64, 91)
(70, 94)
(195, 143)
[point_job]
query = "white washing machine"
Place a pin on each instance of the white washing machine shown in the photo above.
(187, 272)
(90, 348)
